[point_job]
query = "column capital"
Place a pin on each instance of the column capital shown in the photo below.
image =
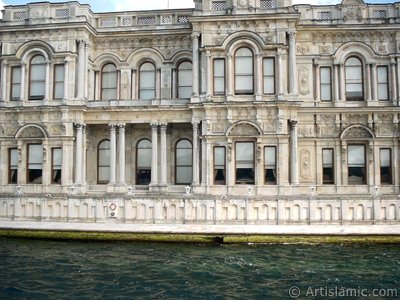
(195, 36)
(195, 124)
(163, 127)
(292, 35)
(121, 125)
(293, 124)
(80, 126)
(154, 126)
(112, 126)
(4, 62)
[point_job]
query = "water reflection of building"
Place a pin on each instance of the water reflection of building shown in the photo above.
(112, 115)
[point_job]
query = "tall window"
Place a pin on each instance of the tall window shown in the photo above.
(58, 82)
(354, 79)
(325, 83)
(147, 81)
(245, 163)
(383, 83)
(185, 80)
(37, 78)
(356, 164)
(109, 82)
(35, 163)
(386, 166)
(269, 75)
(143, 163)
(219, 166)
(219, 76)
(183, 162)
(327, 166)
(103, 170)
(56, 164)
(13, 165)
(244, 82)
(270, 165)
(15, 83)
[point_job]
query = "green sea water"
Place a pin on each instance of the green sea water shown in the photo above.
(32, 269)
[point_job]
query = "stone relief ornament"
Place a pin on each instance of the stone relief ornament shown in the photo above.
(31, 132)
(304, 81)
(305, 172)
(357, 132)
(244, 130)
(303, 49)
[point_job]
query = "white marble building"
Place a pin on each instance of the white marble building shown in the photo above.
(237, 111)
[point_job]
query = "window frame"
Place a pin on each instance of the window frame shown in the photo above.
(254, 163)
(56, 83)
(390, 171)
(103, 182)
(28, 180)
(53, 171)
(102, 88)
(13, 68)
(266, 182)
(269, 76)
(382, 83)
(328, 182)
(323, 85)
(235, 75)
(178, 86)
(224, 166)
(361, 83)
(176, 162)
(31, 81)
(223, 77)
(136, 160)
(365, 178)
(140, 81)
(10, 169)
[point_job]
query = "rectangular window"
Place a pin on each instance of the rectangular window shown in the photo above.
(35, 163)
(15, 83)
(325, 83)
(383, 83)
(269, 75)
(13, 165)
(327, 166)
(386, 166)
(58, 82)
(270, 165)
(56, 165)
(244, 163)
(356, 164)
(219, 76)
(219, 166)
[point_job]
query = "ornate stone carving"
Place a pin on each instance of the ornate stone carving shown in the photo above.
(303, 49)
(305, 171)
(31, 132)
(244, 130)
(304, 81)
(357, 132)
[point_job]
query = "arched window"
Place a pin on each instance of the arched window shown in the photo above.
(147, 81)
(185, 89)
(109, 82)
(244, 66)
(37, 78)
(143, 162)
(354, 79)
(183, 162)
(103, 166)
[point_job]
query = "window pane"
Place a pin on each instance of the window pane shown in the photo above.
(270, 157)
(144, 154)
(57, 159)
(325, 75)
(14, 158)
(244, 83)
(219, 85)
(269, 66)
(35, 156)
(147, 79)
(269, 85)
(244, 65)
(104, 174)
(184, 175)
(219, 67)
(327, 157)
(356, 155)
(38, 72)
(386, 168)
(244, 152)
(184, 156)
(385, 158)
(383, 83)
(147, 94)
(219, 157)
(16, 75)
(59, 73)
(37, 89)
(185, 92)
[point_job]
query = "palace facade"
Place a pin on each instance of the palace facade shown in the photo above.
(237, 111)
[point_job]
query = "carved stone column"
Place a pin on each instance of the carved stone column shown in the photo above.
(154, 154)
(368, 85)
(81, 69)
(66, 79)
(230, 77)
(163, 151)
(47, 82)
(195, 65)
(336, 83)
(195, 153)
(342, 82)
(78, 154)
(22, 88)
(280, 82)
(394, 82)
(374, 85)
(4, 65)
(121, 154)
(113, 154)
(292, 63)
(294, 176)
